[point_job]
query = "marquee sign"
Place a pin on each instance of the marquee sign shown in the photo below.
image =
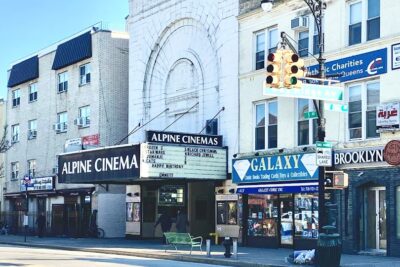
(120, 163)
(190, 162)
(276, 168)
(183, 138)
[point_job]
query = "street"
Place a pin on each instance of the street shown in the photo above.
(24, 256)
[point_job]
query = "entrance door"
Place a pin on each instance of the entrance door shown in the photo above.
(376, 234)
(286, 212)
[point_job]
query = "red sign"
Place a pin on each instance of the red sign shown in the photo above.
(91, 140)
(391, 153)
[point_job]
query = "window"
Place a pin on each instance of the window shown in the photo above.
(32, 167)
(63, 82)
(307, 129)
(62, 122)
(84, 116)
(32, 92)
(272, 40)
(363, 100)
(364, 18)
(260, 50)
(16, 96)
(316, 47)
(84, 74)
(14, 170)
(306, 215)
(15, 133)
(262, 218)
(303, 44)
(266, 125)
(32, 129)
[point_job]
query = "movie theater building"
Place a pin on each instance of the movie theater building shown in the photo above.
(166, 173)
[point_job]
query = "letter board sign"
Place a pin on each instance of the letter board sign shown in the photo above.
(277, 168)
(113, 164)
(183, 138)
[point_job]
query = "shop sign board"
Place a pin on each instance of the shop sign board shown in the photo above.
(186, 162)
(395, 56)
(183, 138)
(358, 156)
(38, 183)
(355, 67)
(391, 153)
(275, 168)
(324, 157)
(388, 117)
(91, 140)
(279, 188)
(118, 163)
(74, 144)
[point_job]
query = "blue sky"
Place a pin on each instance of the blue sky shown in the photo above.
(27, 26)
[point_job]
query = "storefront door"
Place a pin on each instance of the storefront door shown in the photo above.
(286, 212)
(376, 234)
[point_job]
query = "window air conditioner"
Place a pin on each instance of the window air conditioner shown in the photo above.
(57, 127)
(79, 121)
(32, 134)
(299, 23)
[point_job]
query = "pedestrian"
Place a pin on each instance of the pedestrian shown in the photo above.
(41, 222)
(166, 222)
(181, 221)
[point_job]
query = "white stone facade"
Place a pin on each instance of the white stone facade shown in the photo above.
(183, 56)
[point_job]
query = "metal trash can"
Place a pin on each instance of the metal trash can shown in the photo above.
(329, 250)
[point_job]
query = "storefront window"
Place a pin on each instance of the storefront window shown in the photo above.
(263, 215)
(227, 212)
(306, 215)
(398, 210)
(171, 195)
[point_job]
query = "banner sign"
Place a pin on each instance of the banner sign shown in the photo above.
(395, 56)
(91, 140)
(183, 138)
(356, 156)
(388, 116)
(190, 162)
(356, 67)
(275, 168)
(38, 183)
(120, 163)
(278, 188)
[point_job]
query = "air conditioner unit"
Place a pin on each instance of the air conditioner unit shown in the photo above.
(79, 121)
(299, 23)
(57, 127)
(32, 134)
(14, 138)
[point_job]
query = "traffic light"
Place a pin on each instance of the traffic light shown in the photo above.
(274, 69)
(294, 69)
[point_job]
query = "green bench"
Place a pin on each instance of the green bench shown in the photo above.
(177, 239)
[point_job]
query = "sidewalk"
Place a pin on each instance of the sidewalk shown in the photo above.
(257, 257)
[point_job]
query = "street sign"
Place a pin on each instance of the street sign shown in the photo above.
(323, 144)
(324, 157)
(27, 179)
(311, 115)
(308, 91)
(336, 107)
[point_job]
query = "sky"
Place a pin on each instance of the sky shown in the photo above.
(27, 26)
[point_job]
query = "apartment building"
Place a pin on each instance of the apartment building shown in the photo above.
(2, 173)
(72, 95)
(280, 209)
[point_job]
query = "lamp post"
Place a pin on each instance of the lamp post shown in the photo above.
(317, 8)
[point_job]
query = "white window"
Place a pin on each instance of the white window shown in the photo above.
(15, 133)
(32, 129)
(84, 116)
(16, 97)
(14, 170)
(272, 40)
(32, 92)
(62, 121)
(84, 74)
(266, 125)
(307, 129)
(363, 100)
(63, 82)
(260, 50)
(315, 44)
(303, 42)
(32, 167)
(364, 21)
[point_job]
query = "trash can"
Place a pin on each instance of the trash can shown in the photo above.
(329, 250)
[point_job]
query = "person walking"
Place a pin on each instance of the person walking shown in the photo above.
(41, 222)
(166, 222)
(181, 221)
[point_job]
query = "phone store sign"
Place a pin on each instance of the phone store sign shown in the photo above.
(356, 67)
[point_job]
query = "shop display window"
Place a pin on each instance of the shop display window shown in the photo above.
(306, 215)
(171, 195)
(263, 215)
(227, 212)
(133, 212)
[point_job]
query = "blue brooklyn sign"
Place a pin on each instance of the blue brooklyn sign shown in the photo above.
(276, 168)
(356, 67)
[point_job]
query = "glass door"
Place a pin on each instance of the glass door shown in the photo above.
(286, 212)
(376, 234)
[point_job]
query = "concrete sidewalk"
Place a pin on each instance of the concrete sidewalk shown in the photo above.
(153, 249)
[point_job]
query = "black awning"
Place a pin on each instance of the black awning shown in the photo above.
(76, 191)
(72, 51)
(24, 71)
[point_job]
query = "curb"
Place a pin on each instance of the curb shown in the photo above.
(184, 258)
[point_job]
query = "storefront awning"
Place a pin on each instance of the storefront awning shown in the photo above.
(309, 187)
